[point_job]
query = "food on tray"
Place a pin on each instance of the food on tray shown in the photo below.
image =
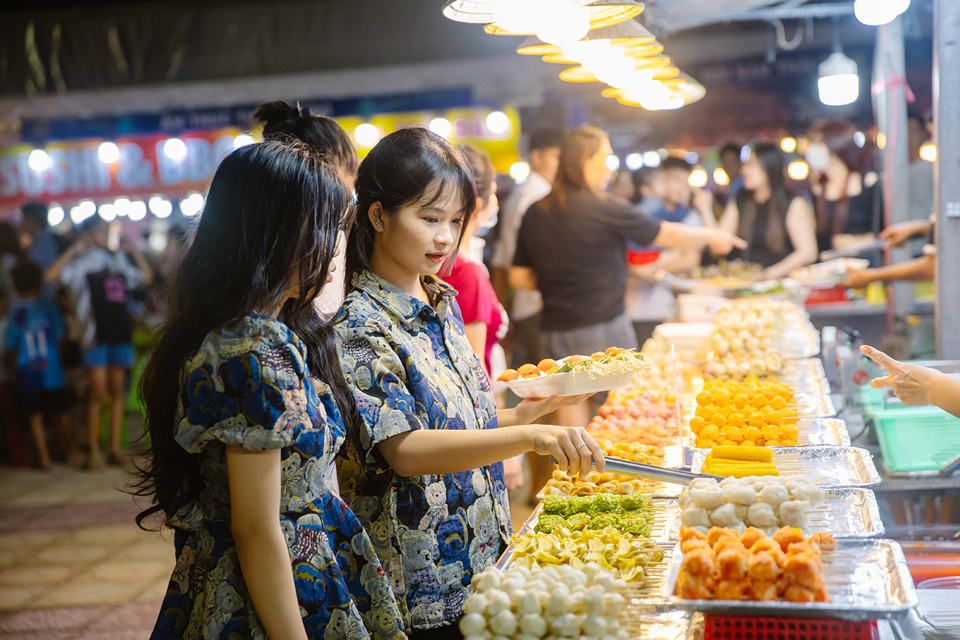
(596, 483)
(625, 555)
(533, 602)
(718, 464)
(630, 514)
(636, 416)
(764, 502)
(726, 564)
(632, 451)
(739, 366)
(612, 361)
(732, 269)
(751, 413)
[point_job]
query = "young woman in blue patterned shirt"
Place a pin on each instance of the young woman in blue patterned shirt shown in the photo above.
(425, 474)
(242, 435)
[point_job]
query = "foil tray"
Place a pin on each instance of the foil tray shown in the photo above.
(802, 368)
(866, 580)
(816, 405)
(813, 432)
(846, 513)
(666, 520)
(799, 344)
(667, 625)
(807, 384)
(825, 466)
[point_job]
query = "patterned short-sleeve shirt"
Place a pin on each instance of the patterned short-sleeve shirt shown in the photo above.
(411, 367)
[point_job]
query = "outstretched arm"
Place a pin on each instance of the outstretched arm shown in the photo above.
(915, 384)
(438, 451)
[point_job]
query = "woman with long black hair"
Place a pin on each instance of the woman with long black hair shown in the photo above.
(780, 229)
(246, 409)
(425, 475)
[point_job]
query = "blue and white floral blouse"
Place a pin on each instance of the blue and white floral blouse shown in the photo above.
(248, 385)
(411, 367)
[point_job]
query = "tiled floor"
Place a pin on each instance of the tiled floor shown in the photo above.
(74, 565)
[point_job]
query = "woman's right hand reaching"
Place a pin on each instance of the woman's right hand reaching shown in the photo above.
(573, 447)
(723, 242)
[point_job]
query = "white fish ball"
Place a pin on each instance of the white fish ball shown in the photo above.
(504, 623)
(533, 624)
(477, 603)
(472, 624)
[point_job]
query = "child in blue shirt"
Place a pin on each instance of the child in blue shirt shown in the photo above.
(32, 350)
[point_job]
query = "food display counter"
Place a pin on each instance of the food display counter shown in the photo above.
(776, 526)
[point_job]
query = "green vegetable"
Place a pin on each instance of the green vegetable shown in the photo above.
(548, 523)
(554, 504)
(578, 521)
(633, 501)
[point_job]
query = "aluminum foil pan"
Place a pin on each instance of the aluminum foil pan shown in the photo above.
(803, 368)
(813, 432)
(816, 405)
(666, 520)
(846, 513)
(825, 466)
(807, 384)
(668, 625)
(866, 580)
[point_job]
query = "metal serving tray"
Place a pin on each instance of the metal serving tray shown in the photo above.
(802, 368)
(668, 625)
(866, 580)
(666, 520)
(823, 465)
(807, 384)
(813, 432)
(846, 513)
(816, 405)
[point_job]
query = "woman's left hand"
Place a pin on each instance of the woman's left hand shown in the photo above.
(532, 408)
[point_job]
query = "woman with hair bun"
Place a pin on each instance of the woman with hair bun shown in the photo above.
(284, 121)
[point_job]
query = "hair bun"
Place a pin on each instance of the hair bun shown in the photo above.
(272, 115)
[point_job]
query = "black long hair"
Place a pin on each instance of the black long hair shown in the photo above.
(407, 166)
(772, 161)
(272, 209)
(281, 120)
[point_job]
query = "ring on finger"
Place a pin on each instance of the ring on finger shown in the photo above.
(580, 446)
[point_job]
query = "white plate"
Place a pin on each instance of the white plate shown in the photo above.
(573, 383)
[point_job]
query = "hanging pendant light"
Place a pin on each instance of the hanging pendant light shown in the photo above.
(484, 11)
(660, 67)
(682, 87)
(626, 34)
(536, 17)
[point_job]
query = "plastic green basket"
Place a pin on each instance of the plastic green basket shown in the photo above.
(917, 438)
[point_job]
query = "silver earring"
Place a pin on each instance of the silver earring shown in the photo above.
(379, 227)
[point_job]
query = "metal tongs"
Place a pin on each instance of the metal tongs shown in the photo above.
(652, 472)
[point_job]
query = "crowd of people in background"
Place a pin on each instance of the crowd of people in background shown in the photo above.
(70, 304)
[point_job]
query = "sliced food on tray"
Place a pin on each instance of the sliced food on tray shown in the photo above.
(575, 375)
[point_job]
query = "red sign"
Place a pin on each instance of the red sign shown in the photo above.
(860, 377)
(73, 170)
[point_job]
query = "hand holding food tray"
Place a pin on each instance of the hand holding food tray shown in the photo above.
(575, 375)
